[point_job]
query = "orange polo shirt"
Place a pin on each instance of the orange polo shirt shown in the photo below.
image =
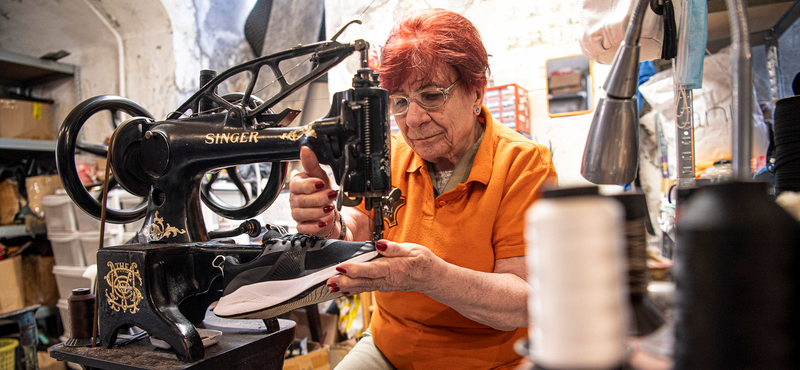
(471, 226)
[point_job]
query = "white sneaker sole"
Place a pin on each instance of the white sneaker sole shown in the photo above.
(266, 299)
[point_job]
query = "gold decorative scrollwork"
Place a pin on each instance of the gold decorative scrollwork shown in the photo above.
(157, 231)
(297, 134)
(123, 280)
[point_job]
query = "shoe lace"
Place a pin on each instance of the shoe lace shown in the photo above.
(218, 262)
(296, 239)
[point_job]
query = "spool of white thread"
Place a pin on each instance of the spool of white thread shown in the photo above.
(578, 303)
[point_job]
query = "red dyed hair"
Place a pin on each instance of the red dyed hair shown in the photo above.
(425, 41)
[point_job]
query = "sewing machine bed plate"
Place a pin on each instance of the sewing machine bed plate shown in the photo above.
(244, 349)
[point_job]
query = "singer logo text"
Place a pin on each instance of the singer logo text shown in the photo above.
(243, 137)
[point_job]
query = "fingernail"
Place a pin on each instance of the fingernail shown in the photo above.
(333, 194)
(322, 224)
(345, 293)
(381, 246)
(334, 290)
(319, 185)
(341, 270)
(332, 285)
(327, 209)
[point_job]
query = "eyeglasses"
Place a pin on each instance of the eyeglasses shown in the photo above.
(428, 99)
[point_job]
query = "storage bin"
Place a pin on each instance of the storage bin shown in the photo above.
(88, 223)
(89, 240)
(509, 104)
(69, 278)
(127, 236)
(85, 221)
(59, 214)
(127, 201)
(66, 249)
(8, 350)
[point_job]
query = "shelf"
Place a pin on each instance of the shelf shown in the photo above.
(23, 71)
(28, 145)
(765, 18)
(576, 95)
(14, 231)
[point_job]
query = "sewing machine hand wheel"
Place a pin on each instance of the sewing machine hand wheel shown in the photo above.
(268, 194)
(68, 143)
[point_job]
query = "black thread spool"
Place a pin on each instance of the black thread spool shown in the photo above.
(646, 317)
(81, 314)
(787, 145)
(738, 295)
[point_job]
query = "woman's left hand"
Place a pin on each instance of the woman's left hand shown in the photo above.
(404, 267)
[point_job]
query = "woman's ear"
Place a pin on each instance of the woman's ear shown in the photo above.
(479, 92)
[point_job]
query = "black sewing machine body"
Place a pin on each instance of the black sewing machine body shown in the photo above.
(163, 281)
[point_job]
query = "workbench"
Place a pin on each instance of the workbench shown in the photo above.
(245, 344)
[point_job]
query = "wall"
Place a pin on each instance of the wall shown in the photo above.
(36, 27)
(208, 34)
(165, 43)
(519, 35)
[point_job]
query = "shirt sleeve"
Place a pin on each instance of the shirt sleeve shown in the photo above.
(529, 174)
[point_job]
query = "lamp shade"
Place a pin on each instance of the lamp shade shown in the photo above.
(611, 155)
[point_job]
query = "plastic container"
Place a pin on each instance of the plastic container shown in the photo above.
(88, 223)
(67, 249)
(724, 170)
(128, 235)
(63, 309)
(8, 349)
(85, 221)
(88, 241)
(59, 213)
(69, 278)
(127, 201)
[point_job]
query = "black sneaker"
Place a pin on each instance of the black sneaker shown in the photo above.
(290, 273)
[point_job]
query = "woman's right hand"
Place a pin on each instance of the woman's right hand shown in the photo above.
(311, 197)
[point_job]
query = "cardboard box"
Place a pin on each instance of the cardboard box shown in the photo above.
(39, 281)
(38, 187)
(12, 295)
(566, 90)
(566, 80)
(329, 324)
(48, 363)
(339, 350)
(9, 201)
(316, 359)
(20, 119)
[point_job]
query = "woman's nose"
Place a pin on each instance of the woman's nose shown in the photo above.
(416, 115)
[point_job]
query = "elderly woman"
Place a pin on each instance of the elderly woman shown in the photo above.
(451, 288)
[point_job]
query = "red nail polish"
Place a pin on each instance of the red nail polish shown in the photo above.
(327, 209)
(319, 185)
(322, 224)
(381, 246)
(332, 285)
(341, 270)
(334, 290)
(333, 194)
(344, 293)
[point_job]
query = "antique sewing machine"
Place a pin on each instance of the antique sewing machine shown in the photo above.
(163, 281)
